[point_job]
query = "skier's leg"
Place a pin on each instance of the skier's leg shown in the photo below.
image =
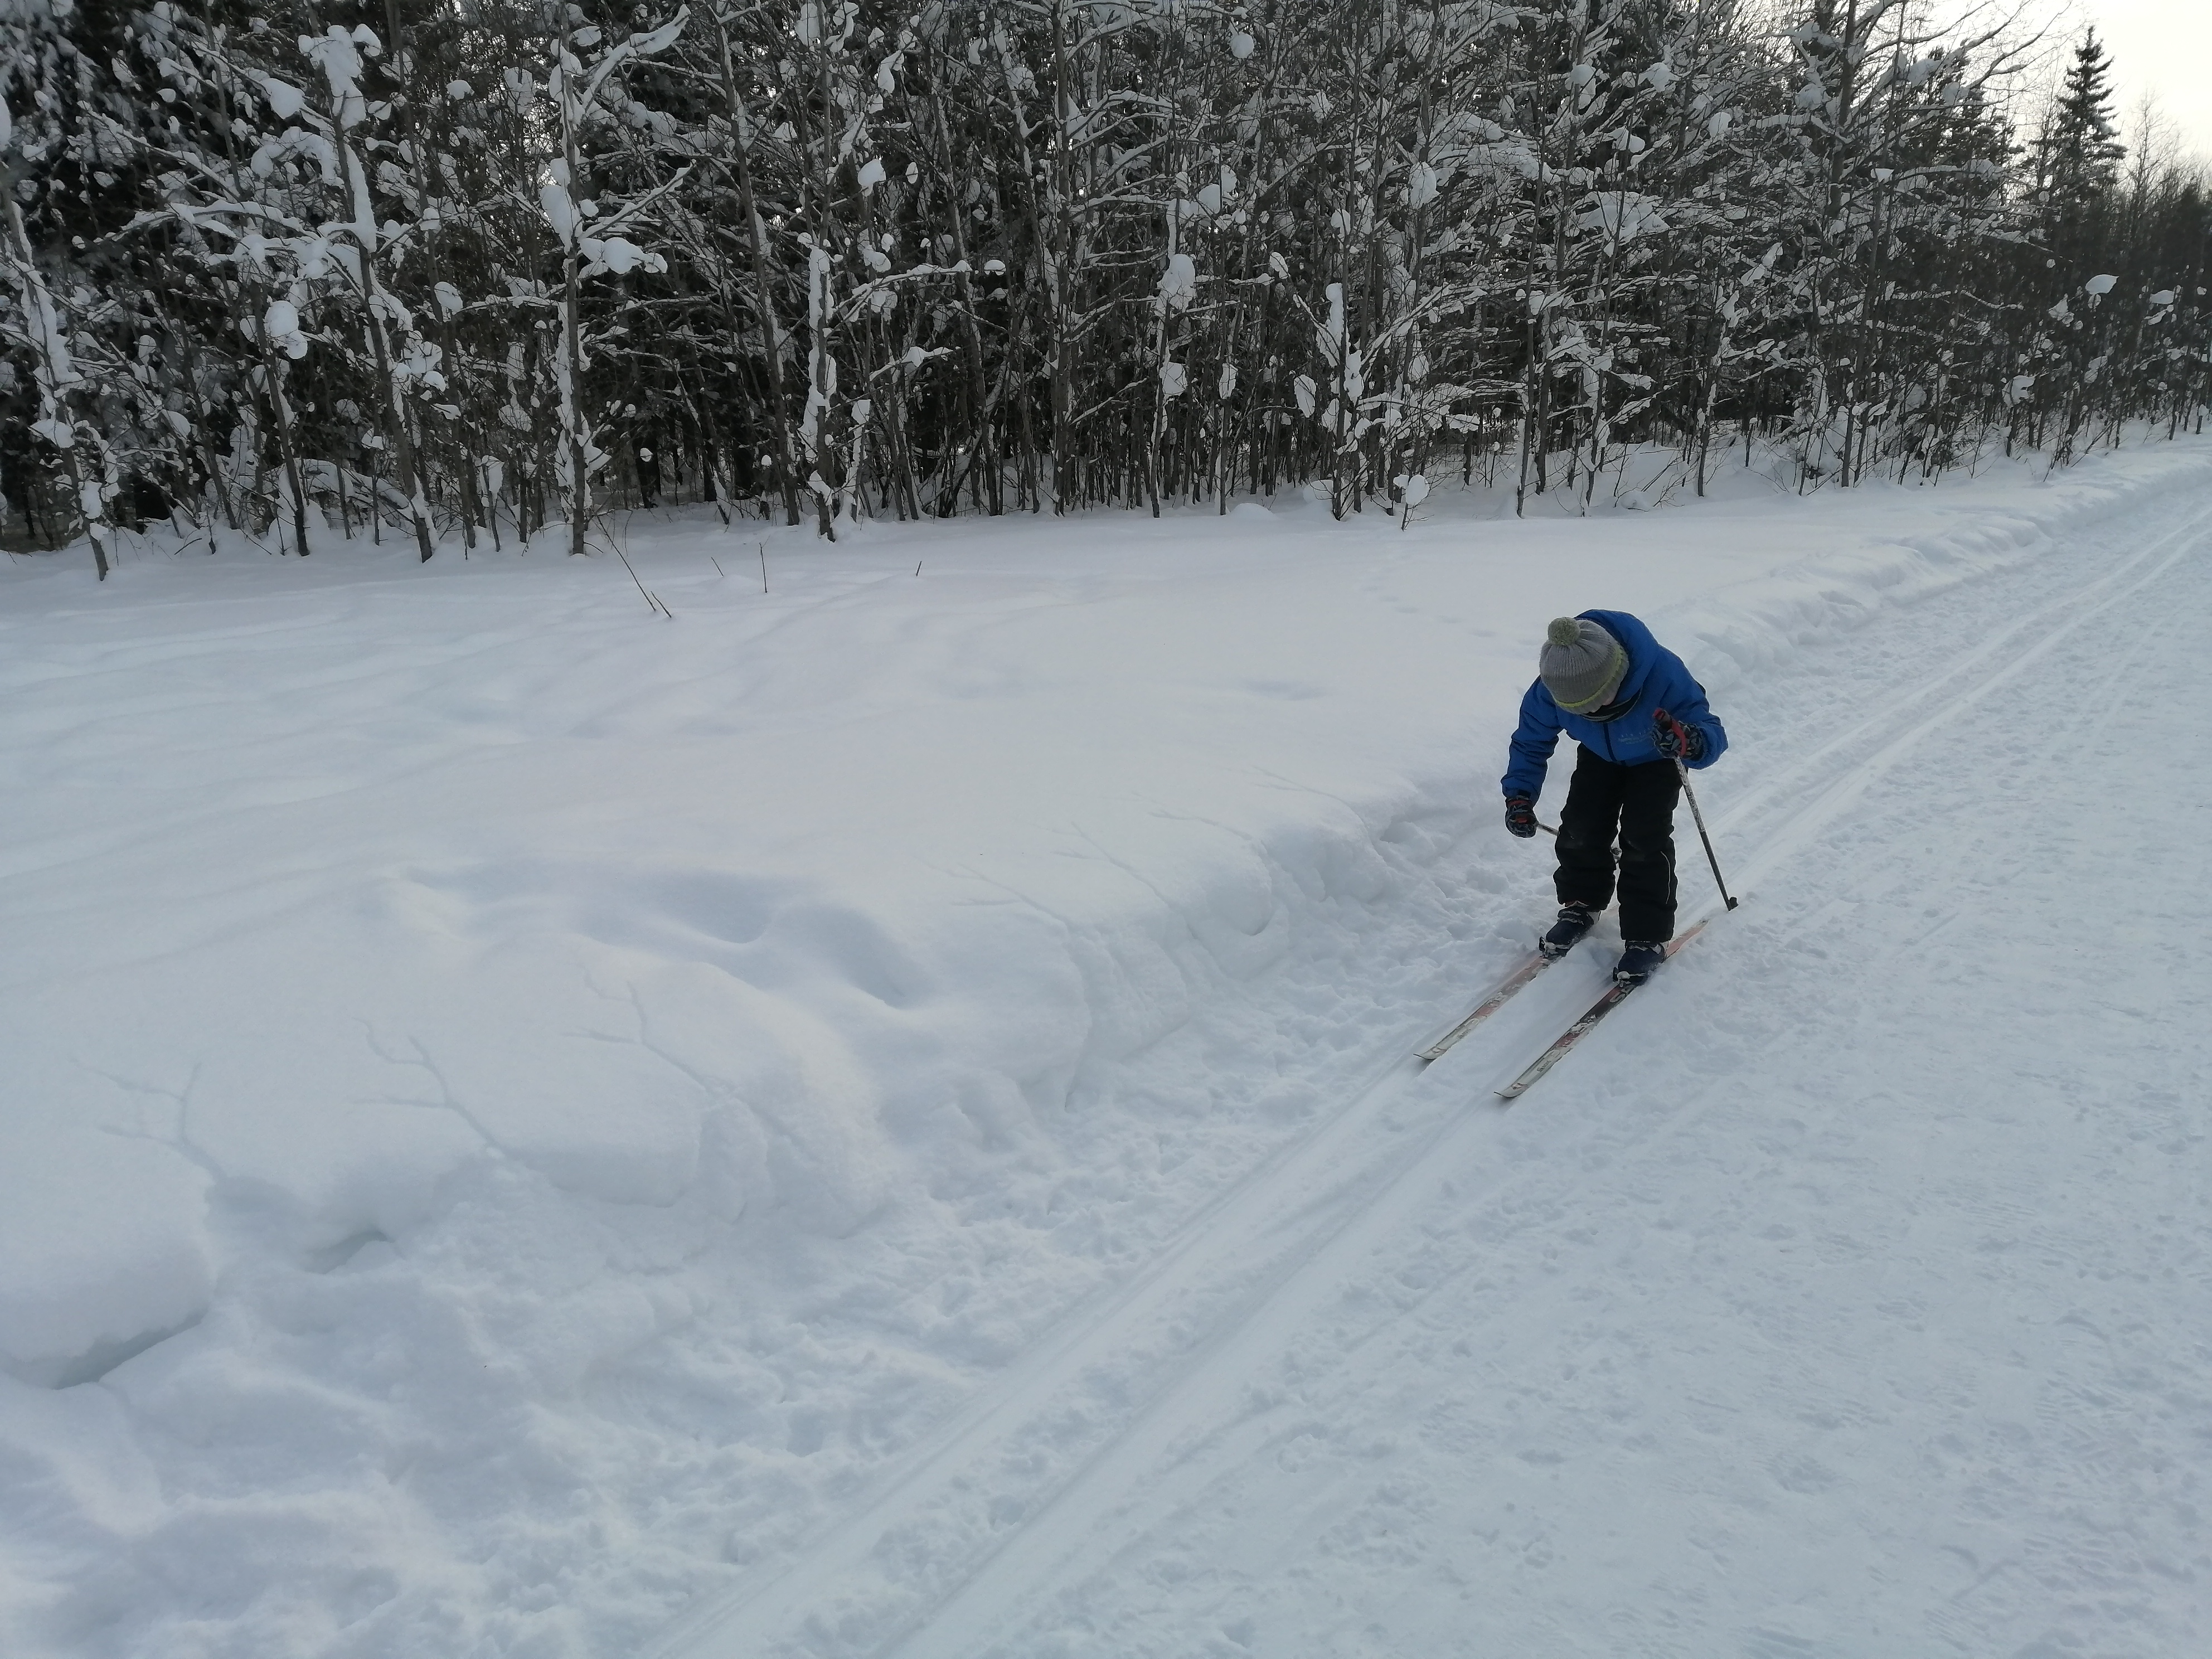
(1586, 830)
(1647, 850)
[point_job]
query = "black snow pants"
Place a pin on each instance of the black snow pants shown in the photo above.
(1637, 802)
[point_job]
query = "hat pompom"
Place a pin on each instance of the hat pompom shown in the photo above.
(1564, 630)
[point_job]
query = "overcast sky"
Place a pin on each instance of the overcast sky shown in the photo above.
(2163, 47)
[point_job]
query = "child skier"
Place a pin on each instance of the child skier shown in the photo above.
(1635, 711)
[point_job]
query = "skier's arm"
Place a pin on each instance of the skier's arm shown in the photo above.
(1685, 702)
(1530, 753)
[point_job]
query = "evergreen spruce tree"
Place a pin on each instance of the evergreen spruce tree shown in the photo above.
(2082, 150)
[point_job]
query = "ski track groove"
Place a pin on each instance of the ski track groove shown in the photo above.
(1757, 800)
(1273, 1243)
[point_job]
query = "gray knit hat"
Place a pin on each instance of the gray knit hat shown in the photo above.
(1583, 665)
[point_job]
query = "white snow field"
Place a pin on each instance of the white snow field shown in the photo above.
(876, 1118)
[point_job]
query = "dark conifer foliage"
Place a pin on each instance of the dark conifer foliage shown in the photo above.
(314, 269)
(2080, 150)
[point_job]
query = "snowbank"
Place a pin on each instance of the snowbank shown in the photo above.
(517, 1106)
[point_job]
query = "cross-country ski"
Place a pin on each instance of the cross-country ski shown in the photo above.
(1615, 995)
(1536, 962)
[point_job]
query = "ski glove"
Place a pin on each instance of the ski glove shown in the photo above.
(1675, 741)
(1521, 815)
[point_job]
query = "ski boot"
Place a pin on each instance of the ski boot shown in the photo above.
(1575, 920)
(1639, 960)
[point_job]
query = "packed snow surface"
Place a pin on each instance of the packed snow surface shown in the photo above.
(874, 1117)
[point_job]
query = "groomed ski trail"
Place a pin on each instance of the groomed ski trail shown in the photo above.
(1869, 1322)
(1023, 1524)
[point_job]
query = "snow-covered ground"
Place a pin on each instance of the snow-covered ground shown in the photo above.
(874, 1118)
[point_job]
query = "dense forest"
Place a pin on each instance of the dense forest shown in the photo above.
(464, 271)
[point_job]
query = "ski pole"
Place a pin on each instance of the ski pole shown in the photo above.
(1682, 770)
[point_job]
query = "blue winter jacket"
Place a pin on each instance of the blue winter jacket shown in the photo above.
(1656, 678)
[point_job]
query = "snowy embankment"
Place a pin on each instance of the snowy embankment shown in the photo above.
(516, 1110)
